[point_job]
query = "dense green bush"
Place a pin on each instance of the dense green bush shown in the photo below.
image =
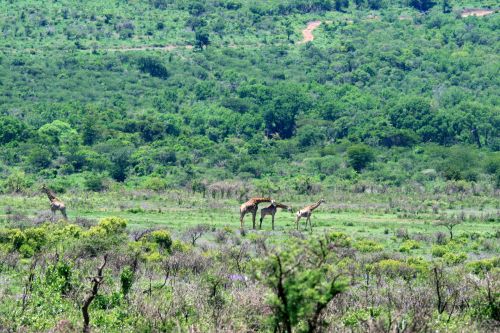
(360, 156)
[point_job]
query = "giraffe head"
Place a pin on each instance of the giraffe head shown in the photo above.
(322, 201)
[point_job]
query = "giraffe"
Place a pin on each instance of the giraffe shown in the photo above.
(307, 212)
(55, 203)
(251, 206)
(271, 210)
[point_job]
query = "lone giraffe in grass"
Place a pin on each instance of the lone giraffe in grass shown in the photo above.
(307, 212)
(56, 204)
(251, 206)
(271, 210)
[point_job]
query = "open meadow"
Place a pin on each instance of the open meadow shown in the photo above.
(177, 260)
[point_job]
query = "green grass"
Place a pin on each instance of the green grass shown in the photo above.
(178, 211)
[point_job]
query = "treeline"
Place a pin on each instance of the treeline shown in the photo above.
(419, 96)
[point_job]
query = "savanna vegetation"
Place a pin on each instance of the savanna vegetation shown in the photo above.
(153, 120)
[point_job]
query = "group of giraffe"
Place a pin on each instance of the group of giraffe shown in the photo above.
(251, 206)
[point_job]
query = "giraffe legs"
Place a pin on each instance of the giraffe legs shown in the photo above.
(52, 219)
(254, 213)
(242, 215)
(63, 212)
(297, 221)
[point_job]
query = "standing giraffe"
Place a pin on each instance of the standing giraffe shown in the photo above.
(271, 210)
(251, 206)
(307, 212)
(55, 203)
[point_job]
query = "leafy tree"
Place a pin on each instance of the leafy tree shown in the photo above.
(415, 113)
(446, 6)
(449, 224)
(422, 5)
(94, 182)
(202, 38)
(39, 158)
(304, 280)
(281, 112)
(12, 129)
(57, 132)
(341, 4)
(360, 155)
(153, 67)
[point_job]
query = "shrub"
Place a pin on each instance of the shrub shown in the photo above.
(402, 233)
(367, 245)
(483, 265)
(418, 263)
(94, 182)
(440, 237)
(409, 245)
(108, 226)
(153, 67)
(178, 246)
(17, 182)
(339, 239)
(126, 279)
(439, 251)
(26, 251)
(394, 268)
(454, 258)
(59, 276)
(360, 156)
(162, 238)
(155, 184)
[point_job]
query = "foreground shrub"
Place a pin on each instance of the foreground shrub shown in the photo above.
(367, 245)
(454, 258)
(483, 265)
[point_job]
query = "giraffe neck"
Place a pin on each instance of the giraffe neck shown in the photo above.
(316, 205)
(281, 206)
(50, 195)
(259, 200)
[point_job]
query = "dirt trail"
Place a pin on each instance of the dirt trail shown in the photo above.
(144, 48)
(307, 32)
(476, 12)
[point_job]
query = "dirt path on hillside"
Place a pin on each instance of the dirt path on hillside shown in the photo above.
(477, 12)
(147, 48)
(307, 32)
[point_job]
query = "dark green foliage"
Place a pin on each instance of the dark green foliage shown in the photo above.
(302, 289)
(254, 103)
(422, 5)
(162, 238)
(360, 156)
(153, 67)
(59, 276)
(94, 182)
(281, 111)
(202, 38)
(11, 129)
(446, 6)
(340, 5)
(126, 279)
